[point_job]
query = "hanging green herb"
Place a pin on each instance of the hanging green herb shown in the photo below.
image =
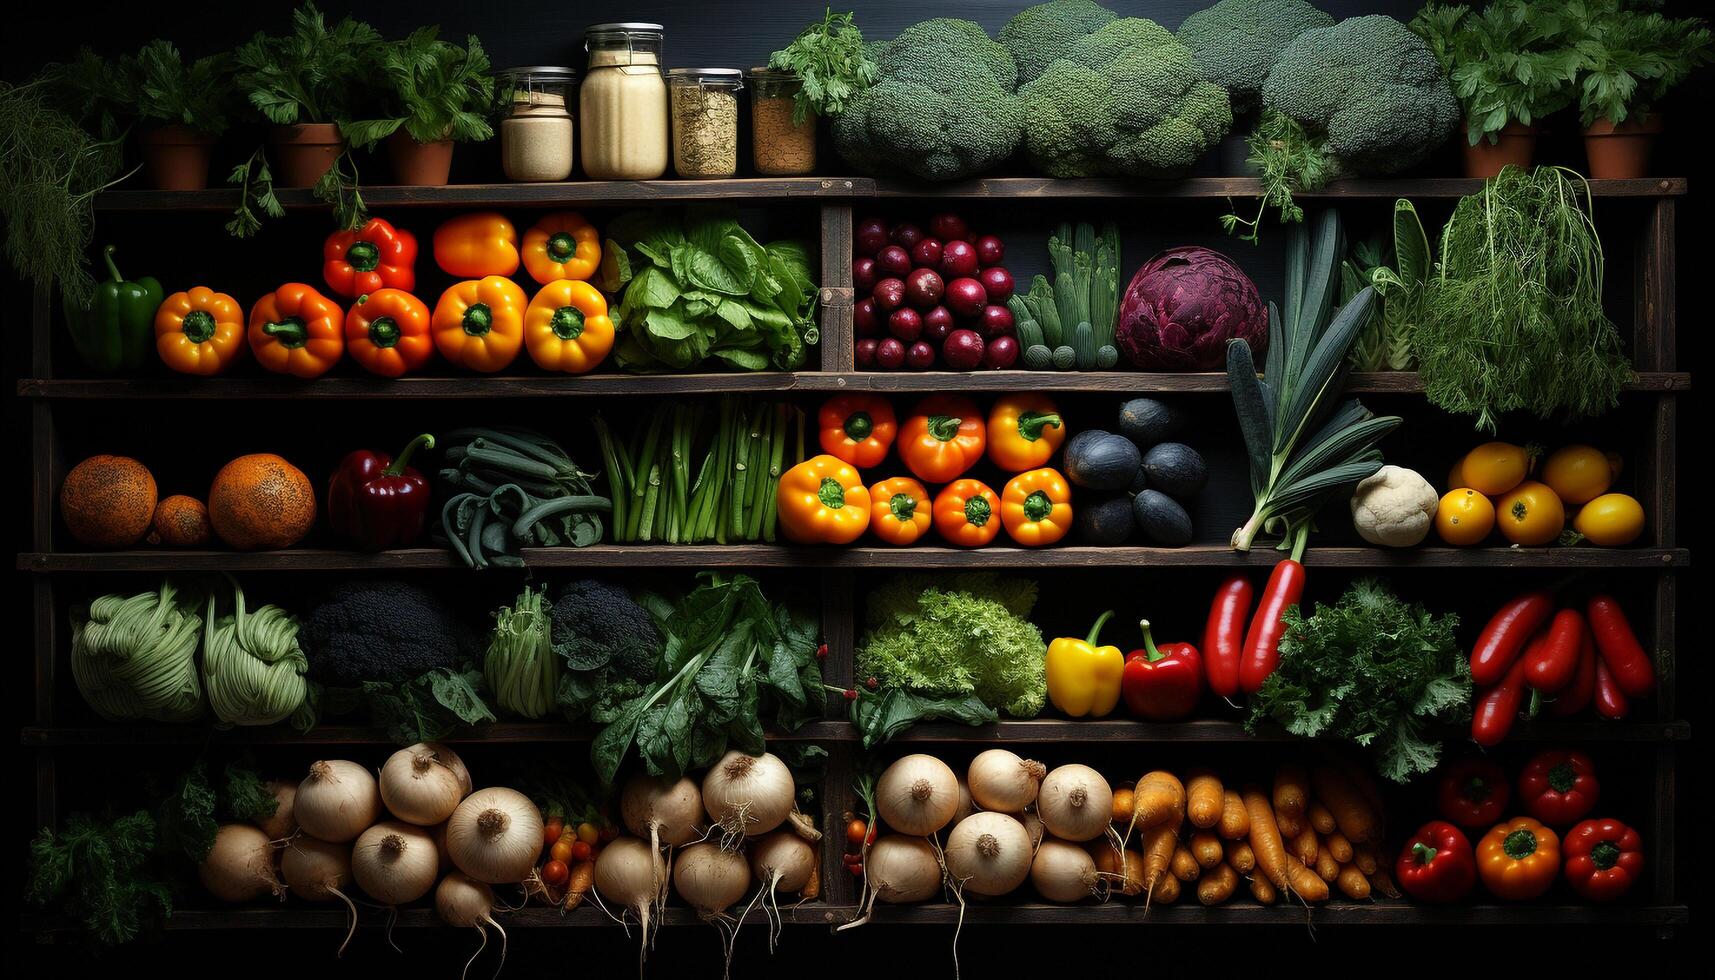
(1513, 320)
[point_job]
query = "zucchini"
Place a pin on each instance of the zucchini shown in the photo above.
(1084, 345)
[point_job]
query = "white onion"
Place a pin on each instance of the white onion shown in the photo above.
(901, 869)
(451, 760)
(280, 824)
(746, 795)
(337, 801)
(783, 861)
(495, 836)
(967, 806)
(1076, 803)
(1004, 781)
(318, 871)
(1033, 826)
(1063, 871)
(917, 795)
(632, 875)
(394, 862)
(988, 853)
(462, 901)
(710, 878)
(419, 786)
(666, 813)
(240, 865)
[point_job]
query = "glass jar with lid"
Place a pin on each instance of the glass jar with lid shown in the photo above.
(705, 120)
(623, 103)
(536, 135)
(781, 143)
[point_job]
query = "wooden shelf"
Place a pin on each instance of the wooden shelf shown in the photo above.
(619, 385)
(785, 556)
(1223, 187)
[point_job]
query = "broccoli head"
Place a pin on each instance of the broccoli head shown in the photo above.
(1235, 42)
(943, 107)
(382, 630)
(1369, 88)
(1038, 36)
(596, 625)
(1126, 100)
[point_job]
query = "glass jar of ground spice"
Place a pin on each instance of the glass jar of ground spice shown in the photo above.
(536, 133)
(782, 143)
(705, 120)
(622, 124)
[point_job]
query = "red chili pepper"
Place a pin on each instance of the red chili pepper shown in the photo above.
(1558, 787)
(1554, 661)
(1619, 646)
(1224, 636)
(1437, 864)
(1505, 636)
(377, 501)
(1611, 702)
(1603, 859)
(1575, 697)
(1262, 642)
(1473, 793)
(1498, 708)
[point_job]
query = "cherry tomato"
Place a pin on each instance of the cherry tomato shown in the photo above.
(855, 831)
(855, 869)
(556, 872)
(562, 849)
(551, 831)
(581, 851)
(588, 833)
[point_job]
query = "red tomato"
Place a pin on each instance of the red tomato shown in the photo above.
(551, 831)
(581, 851)
(556, 873)
(855, 831)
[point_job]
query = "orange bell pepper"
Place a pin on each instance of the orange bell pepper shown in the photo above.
(199, 331)
(561, 246)
(1519, 858)
(857, 428)
(899, 510)
(387, 332)
(966, 513)
(822, 501)
(1024, 431)
(296, 330)
(479, 323)
(1036, 507)
(942, 438)
(482, 243)
(566, 327)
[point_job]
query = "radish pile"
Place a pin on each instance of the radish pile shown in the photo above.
(931, 298)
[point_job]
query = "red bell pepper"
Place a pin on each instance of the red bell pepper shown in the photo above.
(1262, 642)
(1505, 636)
(1437, 864)
(1627, 663)
(377, 501)
(1575, 697)
(1552, 664)
(1162, 683)
(1604, 858)
(378, 255)
(1493, 715)
(1611, 702)
(1559, 787)
(1473, 793)
(1224, 636)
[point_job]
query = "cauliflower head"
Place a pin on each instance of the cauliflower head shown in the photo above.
(1394, 507)
(1236, 41)
(1038, 36)
(1126, 100)
(1370, 88)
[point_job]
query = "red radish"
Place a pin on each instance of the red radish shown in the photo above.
(892, 261)
(1000, 354)
(958, 258)
(871, 236)
(863, 273)
(947, 226)
(996, 280)
(864, 353)
(965, 297)
(927, 253)
(905, 323)
(919, 356)
(997, 321)
(906, 234)
(923, 288)
(990, 250)
(890, 295)
(937, 323)
(865, 319)
(963, 350)
(889, 354)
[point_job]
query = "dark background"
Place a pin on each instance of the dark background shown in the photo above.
(741, 34)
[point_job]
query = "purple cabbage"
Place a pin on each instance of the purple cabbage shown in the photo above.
(1183, 306)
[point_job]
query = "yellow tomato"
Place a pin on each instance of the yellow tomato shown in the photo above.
(1611, 520)
(1530, 515)
(1494, 468)
(1577, 474)
(1464, 517)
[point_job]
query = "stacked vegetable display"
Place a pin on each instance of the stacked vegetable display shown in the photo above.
(1490, 489)
(931, 297)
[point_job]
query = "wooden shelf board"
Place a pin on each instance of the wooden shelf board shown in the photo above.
(1223, 187)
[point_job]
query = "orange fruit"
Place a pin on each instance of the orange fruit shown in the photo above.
(108, 501)
(1464, 517)
(1530, 515)
(260, 502)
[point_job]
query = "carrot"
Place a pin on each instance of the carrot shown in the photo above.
(1206, 848)
(1160, 800)
(1320, 818)
(1304, 845)
(1291, 793)
(1126, 870)
(1218, 885)
(1241, 857)
(1183, 865)
(1166, 890)
(1158, 845)
(1124, 803)
(1381, 883)
(1352, 883)
(1290, 827)
(813, 887)
(1203, 799)
(1339, 846)
(1307, 884)
(582, 877)
(1352, 814)
(1262, 891)
(1364, 856)
(1326, 867)
(1265, 838)
(1235, 821)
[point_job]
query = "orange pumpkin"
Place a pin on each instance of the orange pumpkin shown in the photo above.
(260, 502)
(108, 501)
(180, 522)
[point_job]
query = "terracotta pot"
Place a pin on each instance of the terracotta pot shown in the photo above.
(1623, 151)
(1515, 144)
(304, 152)
(419, 164)
(176, 157)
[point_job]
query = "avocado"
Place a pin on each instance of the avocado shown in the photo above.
(1161, 519)
(1147, 421)
(1176, 470)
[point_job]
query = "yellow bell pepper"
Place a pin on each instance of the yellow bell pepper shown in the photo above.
(1084, 679)
(477, 245)
(567, 328)
(561, 246)
(822, 501)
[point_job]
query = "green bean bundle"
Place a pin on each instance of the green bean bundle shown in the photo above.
(134, 658)
(508, 489)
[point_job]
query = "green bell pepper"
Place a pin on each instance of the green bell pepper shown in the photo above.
(116, 332)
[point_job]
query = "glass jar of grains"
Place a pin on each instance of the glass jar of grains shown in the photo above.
(705, 120)
(536, 142)
(623, 103)
(781, 144)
